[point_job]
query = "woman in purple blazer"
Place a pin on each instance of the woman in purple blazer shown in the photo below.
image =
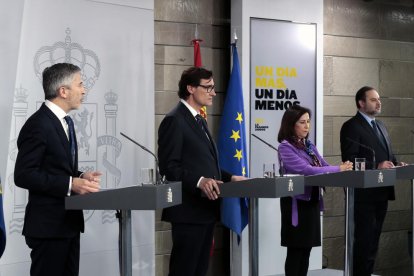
(301, 214)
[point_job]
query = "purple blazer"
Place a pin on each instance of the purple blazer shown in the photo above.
(297, 161)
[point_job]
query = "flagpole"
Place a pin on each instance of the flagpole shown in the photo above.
(234, 211)
(253, 218)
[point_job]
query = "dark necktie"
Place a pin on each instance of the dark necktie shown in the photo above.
(202, 123)
(378, 133)
(72, 138)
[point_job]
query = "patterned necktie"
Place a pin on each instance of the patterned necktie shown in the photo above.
(378, 133)
(72, 141)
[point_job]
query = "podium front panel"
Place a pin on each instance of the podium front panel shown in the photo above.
(353, 179)
(147, 197)
(379, 178)
(264, 187)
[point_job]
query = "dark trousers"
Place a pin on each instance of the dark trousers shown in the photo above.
(369, 217)
(190, 253)
(297, 261)
(54, 257)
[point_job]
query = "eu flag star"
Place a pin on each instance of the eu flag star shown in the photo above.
(239, 117)
(235, 135)
(244, 171)
(238, 155)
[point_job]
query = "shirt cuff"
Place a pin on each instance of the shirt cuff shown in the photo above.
(198, 183)
(70, 186)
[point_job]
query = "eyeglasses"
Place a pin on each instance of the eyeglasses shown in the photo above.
(208, 88)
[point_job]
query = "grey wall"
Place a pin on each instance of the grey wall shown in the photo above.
(370, 43)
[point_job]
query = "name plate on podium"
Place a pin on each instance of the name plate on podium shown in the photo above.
(353, 179)
(148, 197)
(264, 187)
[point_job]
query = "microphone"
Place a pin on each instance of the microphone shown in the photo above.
(158, 178)
(281, 168)
(374, 166)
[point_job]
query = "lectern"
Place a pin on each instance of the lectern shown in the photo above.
(407, 172)
(351, 180)
(255, 188)
(148, 197)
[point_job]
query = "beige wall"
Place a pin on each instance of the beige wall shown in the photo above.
(370, 43)
(366, 43)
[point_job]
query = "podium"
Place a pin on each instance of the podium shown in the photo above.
(148, 197)
(255, 188)
(403, 173)
(351, 180)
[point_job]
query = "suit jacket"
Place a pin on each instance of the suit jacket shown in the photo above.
(358, 129)
(185, 154)
(43, 167)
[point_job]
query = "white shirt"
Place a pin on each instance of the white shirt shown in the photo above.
(60, 113)
(192, 110)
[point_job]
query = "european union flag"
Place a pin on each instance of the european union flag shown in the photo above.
(2, 227)
(232, 148)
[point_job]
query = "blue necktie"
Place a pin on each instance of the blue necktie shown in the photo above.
(72, 138)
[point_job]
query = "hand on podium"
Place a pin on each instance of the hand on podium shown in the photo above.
(346, 166)
(210, 187)
(87, 183)
(386, 165)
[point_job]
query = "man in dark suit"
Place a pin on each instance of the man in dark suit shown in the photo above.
(187, 153)
(47, 166)
(371, 204)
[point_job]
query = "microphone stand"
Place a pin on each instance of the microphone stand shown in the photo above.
(254, 222)
(349, 217)
(158, 178)
(281, 168)
(374, 165)
(124, 219)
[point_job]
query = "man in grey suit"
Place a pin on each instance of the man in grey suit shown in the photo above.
(47, 166)
(187, 153)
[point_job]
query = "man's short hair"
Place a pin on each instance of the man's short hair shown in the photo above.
(361, 95)
(192, 76)
(56, 76)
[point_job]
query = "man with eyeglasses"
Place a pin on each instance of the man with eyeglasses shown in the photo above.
(187, 153)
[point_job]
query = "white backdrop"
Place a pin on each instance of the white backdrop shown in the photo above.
(282, 73)
(242, 11)
(108, 40)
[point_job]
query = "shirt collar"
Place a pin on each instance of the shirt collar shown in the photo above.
(192, 110)
(366, 117)
(59, 112)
